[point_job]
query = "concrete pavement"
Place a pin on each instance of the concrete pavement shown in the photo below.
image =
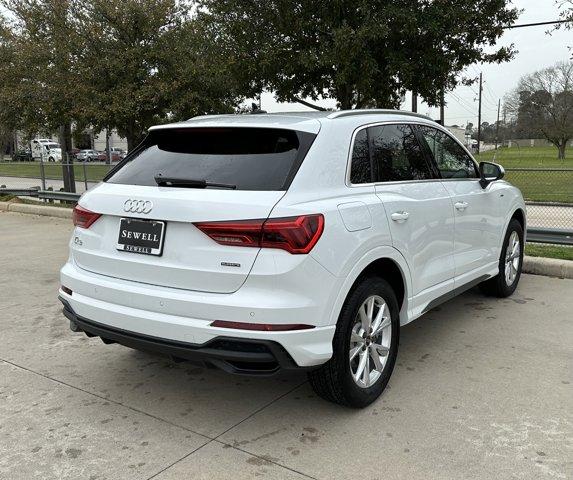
(482, 389)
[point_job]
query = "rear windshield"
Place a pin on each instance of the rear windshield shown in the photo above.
(249, 158)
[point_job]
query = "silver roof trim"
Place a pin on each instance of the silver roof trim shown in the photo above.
(376, 111)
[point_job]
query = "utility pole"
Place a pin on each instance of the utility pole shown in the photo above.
(479, 113)
(497, 123)
(442, 103)
(414, 102)
(108, 158)
(504, 124)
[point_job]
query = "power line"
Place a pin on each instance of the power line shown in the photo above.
(494, 101)
(462, 104)
(522, 25)
(463, 101)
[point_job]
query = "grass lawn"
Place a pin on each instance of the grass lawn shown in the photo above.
(54, 171)
(528, 157)
(550, 251)
(538, 186)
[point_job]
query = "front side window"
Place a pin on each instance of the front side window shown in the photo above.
(396, 154)
(451, 159)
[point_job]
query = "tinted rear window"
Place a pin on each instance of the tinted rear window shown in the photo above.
(250, 158)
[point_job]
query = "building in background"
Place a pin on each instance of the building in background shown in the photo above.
(459, 133)
(114, 141)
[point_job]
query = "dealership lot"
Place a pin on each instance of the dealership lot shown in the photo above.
(482, 389)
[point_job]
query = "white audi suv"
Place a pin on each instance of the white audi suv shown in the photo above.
(261, 242)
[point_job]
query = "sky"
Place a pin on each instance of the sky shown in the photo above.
(535, 50)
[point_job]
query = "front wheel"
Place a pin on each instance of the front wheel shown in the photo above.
(365, 346)
(510, 263)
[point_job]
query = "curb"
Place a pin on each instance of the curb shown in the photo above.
(36, 210)
(550, 267)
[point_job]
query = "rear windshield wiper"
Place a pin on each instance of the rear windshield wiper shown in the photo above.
(189, 183)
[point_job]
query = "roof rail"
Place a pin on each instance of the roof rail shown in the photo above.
(378, 111)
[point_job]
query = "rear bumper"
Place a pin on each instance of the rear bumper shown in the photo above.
(178, 323)
(234, 355)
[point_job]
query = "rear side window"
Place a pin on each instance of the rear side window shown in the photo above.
(451, 159)
(360, 170)
(249, 158)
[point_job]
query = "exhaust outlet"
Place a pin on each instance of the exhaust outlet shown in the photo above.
(74, 327)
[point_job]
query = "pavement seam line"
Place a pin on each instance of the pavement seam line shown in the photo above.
(101, 397)
(232, 446)
(261, 409)
(180, 459)
(209, 439)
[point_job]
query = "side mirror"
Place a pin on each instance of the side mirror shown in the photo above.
(490, 172)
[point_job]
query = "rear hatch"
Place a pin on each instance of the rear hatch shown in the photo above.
(178, 177)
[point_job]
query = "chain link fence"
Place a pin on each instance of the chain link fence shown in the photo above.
(548, 191)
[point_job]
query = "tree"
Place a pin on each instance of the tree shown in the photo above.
(40, 79)
(108, 64)
(566, 14)
(147, 62)
(542, 104)
(363, 53)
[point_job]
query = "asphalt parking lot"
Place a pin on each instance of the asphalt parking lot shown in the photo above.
(482, 389)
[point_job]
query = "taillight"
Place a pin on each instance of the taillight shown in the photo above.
(294, 234)
(83, 217)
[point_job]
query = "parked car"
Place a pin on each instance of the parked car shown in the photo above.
(23, 155)
(120, 152)
(292, 241)
(115, 156)
(87, 155)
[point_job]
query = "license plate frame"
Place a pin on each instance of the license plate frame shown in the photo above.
(132, 236)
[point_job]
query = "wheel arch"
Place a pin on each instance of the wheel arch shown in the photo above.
(519, 215)
(387, 263)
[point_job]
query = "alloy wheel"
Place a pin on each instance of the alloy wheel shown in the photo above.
(370, 341)
(512, 258)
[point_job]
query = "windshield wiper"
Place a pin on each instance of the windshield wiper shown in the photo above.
(189, 183)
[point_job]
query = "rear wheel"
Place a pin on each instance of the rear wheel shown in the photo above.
(365, 346)
(510, 263)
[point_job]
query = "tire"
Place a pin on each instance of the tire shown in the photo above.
(334, 381)
(51, 159)
(503, 285)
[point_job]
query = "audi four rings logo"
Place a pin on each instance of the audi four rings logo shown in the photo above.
(138, 206)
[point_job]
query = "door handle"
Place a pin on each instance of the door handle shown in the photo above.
(461, 206)
(400, 216)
